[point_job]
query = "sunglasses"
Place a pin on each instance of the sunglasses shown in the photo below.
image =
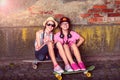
(53, 25)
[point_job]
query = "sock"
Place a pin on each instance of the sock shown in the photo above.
(55, 65)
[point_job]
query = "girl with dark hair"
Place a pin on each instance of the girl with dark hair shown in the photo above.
(66, 41)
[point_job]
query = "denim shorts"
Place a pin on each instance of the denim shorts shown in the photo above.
(43, 53)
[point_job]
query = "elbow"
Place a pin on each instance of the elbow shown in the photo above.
(82, 40)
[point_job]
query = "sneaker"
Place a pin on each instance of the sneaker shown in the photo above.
(82, 66)
(68, 68)
(58, 69)
(75, 67)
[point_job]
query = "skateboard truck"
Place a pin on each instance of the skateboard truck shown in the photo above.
(88, 74)
(58, 76)
(34, 65)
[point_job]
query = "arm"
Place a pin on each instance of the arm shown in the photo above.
(38, 45)
(80, 41)
(55, 38)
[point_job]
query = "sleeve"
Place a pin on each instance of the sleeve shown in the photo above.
(76, 35)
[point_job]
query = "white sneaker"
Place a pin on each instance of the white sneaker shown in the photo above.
(58, 69)
(68, 68)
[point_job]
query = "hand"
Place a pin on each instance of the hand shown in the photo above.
(37, 48)
(46, 39)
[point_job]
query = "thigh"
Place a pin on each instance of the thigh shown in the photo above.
(56, 51)
(73, 47)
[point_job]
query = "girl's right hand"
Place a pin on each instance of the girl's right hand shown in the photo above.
(37, 48)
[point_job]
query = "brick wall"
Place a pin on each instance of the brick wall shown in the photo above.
(34, 12)
(107, 13)
(18, 26)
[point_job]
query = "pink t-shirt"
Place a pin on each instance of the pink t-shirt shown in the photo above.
(73, 39)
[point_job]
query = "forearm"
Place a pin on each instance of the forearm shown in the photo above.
(38, 47)
(80, 42)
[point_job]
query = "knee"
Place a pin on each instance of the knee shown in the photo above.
(74, 47)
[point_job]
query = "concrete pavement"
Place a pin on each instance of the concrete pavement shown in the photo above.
(17, 70)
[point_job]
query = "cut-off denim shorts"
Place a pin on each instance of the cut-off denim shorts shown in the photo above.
(43, 53)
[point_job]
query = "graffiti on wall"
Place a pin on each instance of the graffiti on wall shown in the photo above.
(35, 10)
(65, 1)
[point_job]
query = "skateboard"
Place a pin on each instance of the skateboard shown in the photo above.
(35, 62)
(86, 72)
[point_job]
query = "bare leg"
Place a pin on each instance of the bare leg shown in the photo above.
(68, 53)
(51, 53)
(57, 68)
(62, 52)
(76, 52)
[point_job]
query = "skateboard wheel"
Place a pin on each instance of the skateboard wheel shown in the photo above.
(59, 77)
(88, 74)
(34, 66)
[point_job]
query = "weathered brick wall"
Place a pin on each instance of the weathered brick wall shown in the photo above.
(17, 42)
(106, 13)
(19, 20)
(34, 12)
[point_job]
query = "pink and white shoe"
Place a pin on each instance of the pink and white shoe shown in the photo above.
(82, 66)
(58, 69)
(68, 68)
(75, 67)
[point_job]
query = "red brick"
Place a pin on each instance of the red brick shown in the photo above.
(99, 19)
(113, 19)
(107, 10)
(85, 15)
(117, 2)
(96, 20)
(107, 2)
(58, 16)
(117, 6)
(118, 11)
(45, 12)
(114, 15)
(97, 15)
(92, 20)
(99, 7)
(94, 10)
